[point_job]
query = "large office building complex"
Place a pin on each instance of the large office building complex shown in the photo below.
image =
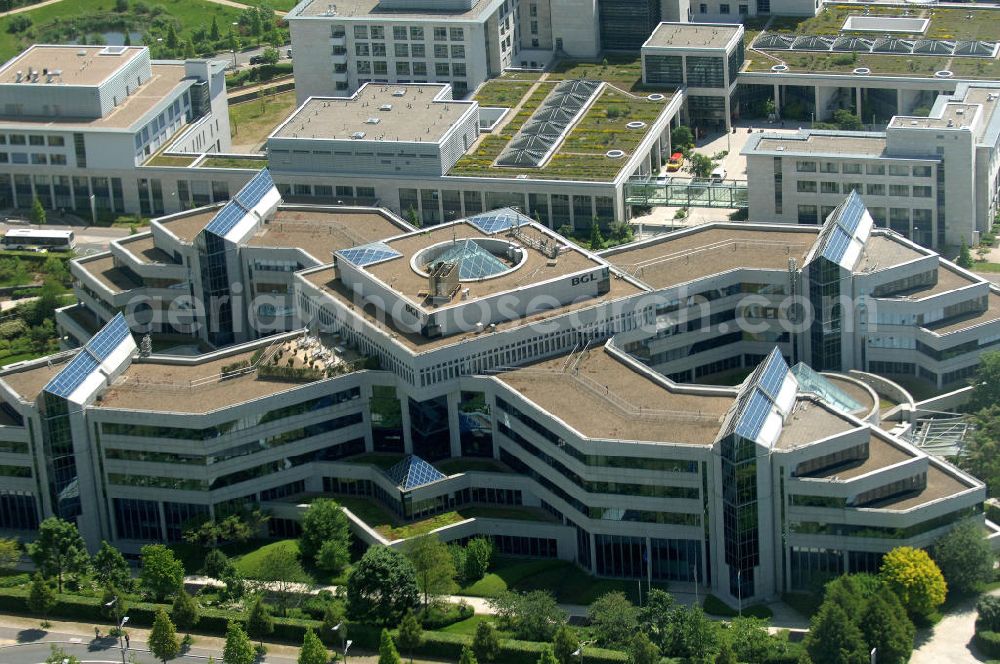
(504, 366)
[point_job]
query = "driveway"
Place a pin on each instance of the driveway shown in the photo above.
(950, 641)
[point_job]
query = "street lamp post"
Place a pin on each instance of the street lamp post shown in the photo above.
(579, 651)
(113, 603)
(873, 653)
(121, 636)
(343, 636)
(347, 646)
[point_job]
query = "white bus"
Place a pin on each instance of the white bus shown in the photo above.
(32, 239)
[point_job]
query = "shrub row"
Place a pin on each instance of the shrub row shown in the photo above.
(987, 642)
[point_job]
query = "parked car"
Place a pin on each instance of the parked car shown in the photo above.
(718, 175)
(289, 53)
(257, 59)
(675, 163)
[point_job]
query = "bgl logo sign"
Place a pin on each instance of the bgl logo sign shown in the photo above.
(576, 281)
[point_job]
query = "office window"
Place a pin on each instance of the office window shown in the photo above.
(4, 158)
(920, 191)
(378, 50)
(440, 34)
(533, 10)
(851, 169)
(457, 34)
(703, 8)
(364, 67)
(56, 141)
(805, 187)
(36, 140)
(17, 139)
(399, 32)
(805, 166)
(899, 170)
(340, 85)
(744, 10)
(380, 67)
(921, 171)
(829, 187)
(416, 33)
(853, 186)
(458, 51)
(899, 189)
(440, 51)
(808, 214)
(57, 159)
(442, 69)
(38, 159)
(458, 69)
(829, 167)
(418, 51)
(402, 50)
(875, 189)
(724, 9)
(420, 69)
(362, 50)
(402, 68)
(875, 169)
(534, 43)
(378, 32)
(361, 32)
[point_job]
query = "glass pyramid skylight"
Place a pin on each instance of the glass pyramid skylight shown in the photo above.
(413, 472)
(473, 261)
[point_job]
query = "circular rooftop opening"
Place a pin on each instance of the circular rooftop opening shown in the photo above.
(614, 154)
(656, 96)
(469, 259)
(944, 73)
(779, 68)
(862, 71)
(635, 124)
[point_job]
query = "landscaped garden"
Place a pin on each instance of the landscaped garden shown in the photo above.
(251, 122)
(582, 155)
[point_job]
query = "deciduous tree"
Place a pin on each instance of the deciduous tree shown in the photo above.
(547, 656)
(658, 619)
(325, 538)
(468, 657)
(478, 556)
(162, 574)
(750, 639)
(37, 212)
(163, 637)
(238, 649)
(111, 568)
(381, 587)
(642, 651)
(613, 619)
(564, 644)
(433, 565)
(10, 553)
(59, 550)
(915, 579)
(281, 575)
(260, 624)
(41, 599)
(964, 557)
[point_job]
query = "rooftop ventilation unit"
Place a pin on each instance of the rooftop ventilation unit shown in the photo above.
(385, 107)
(399, 92)
(358, 135)
(113, 50)
(373, 121)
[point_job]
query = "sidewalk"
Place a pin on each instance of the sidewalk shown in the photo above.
(19, 631)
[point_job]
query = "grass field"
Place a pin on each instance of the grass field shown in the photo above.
(64, 21)
(280, 5)
(232, 162)
(249, 563)
(252, 121)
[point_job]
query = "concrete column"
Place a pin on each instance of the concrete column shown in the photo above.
(777, 99)
(857, 102)
(454, 433)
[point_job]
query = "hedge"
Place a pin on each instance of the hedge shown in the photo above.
(987, 642)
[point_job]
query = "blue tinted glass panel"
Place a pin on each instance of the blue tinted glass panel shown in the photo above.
(110, 336)
(369, 254)
(72, 375)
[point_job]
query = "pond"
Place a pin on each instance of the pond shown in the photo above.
(112, 38)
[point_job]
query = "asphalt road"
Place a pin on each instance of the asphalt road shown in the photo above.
(243, 57)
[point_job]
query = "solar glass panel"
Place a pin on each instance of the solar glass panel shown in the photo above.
(109, 337)
(851, 213)
(498, 220)
(253, 191)
(774, 374)
(836, 245)
(226, 219)
(751, 419)
(368, 254)
(72, 375)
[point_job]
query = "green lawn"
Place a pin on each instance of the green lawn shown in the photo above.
(468, 626)
(233, 162)
(980, 266)
(252, 121)
(623, 71)
(502, 92)
(165, 160)
(73, 19)
(280, 5)
(248, 563)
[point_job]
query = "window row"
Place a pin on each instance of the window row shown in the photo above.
(897, 170)
(402, 32)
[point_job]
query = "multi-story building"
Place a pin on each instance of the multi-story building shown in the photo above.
(564, 159)
(702, 58)
(77, 121)
(932, 179)
(547, 371)
(341, 46)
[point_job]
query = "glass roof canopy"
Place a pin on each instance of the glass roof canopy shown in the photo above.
(812, 381)
(89, 359)
(765, 399)
(538, 137)
(368, 254)
(498, 220)
(233, 212)
(845, 232)
(888, 45)
(474, 262)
